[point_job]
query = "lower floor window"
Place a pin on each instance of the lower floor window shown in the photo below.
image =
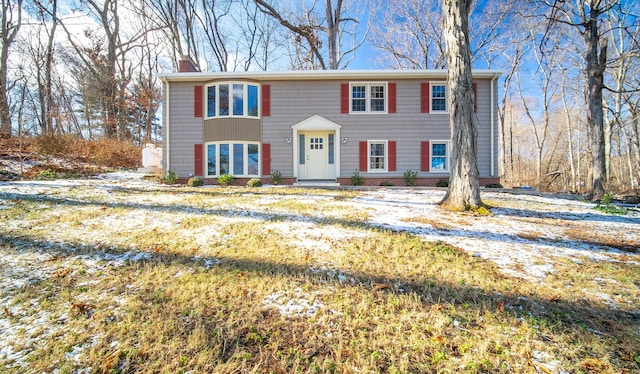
(238, 159)
(377, 155)
(439, 156)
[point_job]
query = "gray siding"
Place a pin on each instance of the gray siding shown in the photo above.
(245, 129)
(294, 101)
(184, 129)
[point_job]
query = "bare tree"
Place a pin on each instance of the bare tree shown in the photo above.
(587, 16)
(333, 27)
(9, 25)
(464, 188)
(410, 35)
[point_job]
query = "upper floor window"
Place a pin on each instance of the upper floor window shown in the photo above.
(438, 97)
(231, 99)
(368, 97)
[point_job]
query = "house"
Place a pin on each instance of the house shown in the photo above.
(319, 125)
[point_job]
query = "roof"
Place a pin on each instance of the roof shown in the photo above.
(322, 75)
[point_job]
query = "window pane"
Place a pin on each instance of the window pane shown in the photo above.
(439, 156)
(438, 163)
(238, 99)
(252, 160)
(252, 101)
(211, 159)
(377, 98)
(211, 101)
(439, 150)
(331, 148)
(301, 149)
(438, 98)
(224, 100)
(376, 159)
(358, 98)
(224, 159)
(238, 159)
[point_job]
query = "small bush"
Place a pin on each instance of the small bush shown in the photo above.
(170, 177)
(254, 182)
(410, 178)
(442, 183)
(47, 174)
(494, 185)
(386, 184)
(357, 179)
(195, 182)
(276, 177)
(225, 180)
(606, 206)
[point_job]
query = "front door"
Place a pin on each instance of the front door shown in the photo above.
(316, 157)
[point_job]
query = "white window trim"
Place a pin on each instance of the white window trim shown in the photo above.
(386, 156)
(448, 156)
(446, 97)
(245, 99)
(368, 97)
(245, 165)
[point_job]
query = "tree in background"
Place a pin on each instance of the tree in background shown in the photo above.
(464, 190)
(336, 27)
(10, 23)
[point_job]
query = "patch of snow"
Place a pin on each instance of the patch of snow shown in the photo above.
(295, 303)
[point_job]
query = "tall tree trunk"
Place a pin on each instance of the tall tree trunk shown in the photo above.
(596, 60)
(464, 189)
(10, 22)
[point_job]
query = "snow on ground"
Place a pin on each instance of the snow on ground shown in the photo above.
(524, 237)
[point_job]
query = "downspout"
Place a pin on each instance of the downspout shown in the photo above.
(493, 156)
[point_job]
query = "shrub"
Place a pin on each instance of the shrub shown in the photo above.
(442, 183)
(494, 185)
(47, 174)
(195, 182)
(606, 206)
(276, 177)
(357, 179)
(254, 182)
(386, 184)
(170, 177)
(225, 180)
(410, 178)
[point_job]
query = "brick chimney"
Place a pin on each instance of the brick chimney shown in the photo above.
(186, 65)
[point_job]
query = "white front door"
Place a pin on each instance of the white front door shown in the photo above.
(317, 155)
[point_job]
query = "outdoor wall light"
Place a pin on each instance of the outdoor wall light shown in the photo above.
(344, 140)
(288, 140)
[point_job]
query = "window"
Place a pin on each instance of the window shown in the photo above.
(232, 100)
(368, 97)
(439, 156)
(377, 155)
(438, 97)
(238, 159)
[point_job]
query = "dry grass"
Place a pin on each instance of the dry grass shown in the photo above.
(221, 267)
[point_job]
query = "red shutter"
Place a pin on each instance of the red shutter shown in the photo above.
(392, 98)
(266, 101)
(197, 160)
(425, 97)
(475, 96)
(197, 101)
(344, 98)
(364, 152)
(266, 159)
(424, 156)
(391, 166)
